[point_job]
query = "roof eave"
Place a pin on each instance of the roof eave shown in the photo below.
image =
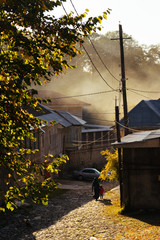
(150, 143)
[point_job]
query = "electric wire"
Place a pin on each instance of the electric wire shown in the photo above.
(154, 92)
(111, 137)
(95, 48)
(135, 130)
(102, 92)
(97, 69)
(125, 127)
(64, 8)
(129, 89)
(139, 94)
(86, 143)
(136, 90)
(93, 62)
(86, 94)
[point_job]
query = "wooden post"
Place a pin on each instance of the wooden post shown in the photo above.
(123, 81)
(119, 154)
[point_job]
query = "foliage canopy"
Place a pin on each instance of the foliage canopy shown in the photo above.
(34, 46)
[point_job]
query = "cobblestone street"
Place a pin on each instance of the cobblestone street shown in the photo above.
(75, 215)
(69, 216)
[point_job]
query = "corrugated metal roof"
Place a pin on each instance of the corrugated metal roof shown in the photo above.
(139, 137)
(79, 119)
(154, 105)
(95, 128)
(70, 118)
(145, 114)
(61, 116)
(55, 117)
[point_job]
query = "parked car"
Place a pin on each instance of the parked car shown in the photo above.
(86, 174)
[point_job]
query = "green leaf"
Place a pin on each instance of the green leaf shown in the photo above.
(105, 16)
(2, 209)
(35, 48)
(10, 206)
(44, 201)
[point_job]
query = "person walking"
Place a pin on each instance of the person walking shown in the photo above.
(95, 187)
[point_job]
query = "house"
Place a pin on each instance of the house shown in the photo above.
(144, 116)
(73, 134)
(57, 138)
(140, 171)
(62, 102)
(83, 142)
(49, 137)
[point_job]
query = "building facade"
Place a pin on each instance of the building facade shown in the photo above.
(140, 170)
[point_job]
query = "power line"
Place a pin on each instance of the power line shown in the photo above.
(123, 126)
(86, 94)
(130, 89)
(92, 61)
(64, 8)
(136, 90)
(102, 60)
(135, 130)
(97, 69)
(96, 49)
(139, 94)
(85, 143)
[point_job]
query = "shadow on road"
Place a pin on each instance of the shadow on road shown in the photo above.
(151, 217)
(106, 201)
(23, 223)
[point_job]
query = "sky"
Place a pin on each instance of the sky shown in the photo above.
(139, 18)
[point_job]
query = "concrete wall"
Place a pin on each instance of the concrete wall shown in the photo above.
(82, 158)
(88, 153)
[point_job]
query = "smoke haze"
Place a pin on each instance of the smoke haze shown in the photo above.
(141, 73)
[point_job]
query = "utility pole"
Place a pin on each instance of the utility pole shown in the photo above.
(125, 108)
(119, 152)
